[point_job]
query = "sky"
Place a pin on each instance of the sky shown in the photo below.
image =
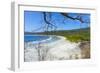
(33, 21)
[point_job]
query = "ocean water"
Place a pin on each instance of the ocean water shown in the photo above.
(28, 38)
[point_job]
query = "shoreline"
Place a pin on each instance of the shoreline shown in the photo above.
(60, 49)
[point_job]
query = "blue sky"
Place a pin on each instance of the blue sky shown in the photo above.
(33, 20)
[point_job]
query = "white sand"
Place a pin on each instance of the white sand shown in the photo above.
(61, 49)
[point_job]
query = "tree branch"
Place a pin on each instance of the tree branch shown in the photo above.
(79, 17)
(49, 24)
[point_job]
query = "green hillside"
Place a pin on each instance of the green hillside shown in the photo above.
(72, 35)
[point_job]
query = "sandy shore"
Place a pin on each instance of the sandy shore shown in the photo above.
(61, 49)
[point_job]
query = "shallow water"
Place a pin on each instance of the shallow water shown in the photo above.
(28, 38)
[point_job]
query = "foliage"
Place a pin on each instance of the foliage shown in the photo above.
(73, 35)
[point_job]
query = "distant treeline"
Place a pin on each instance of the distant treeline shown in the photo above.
(72, 35)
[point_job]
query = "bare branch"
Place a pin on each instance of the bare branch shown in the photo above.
(79, 17)
(49, 24)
